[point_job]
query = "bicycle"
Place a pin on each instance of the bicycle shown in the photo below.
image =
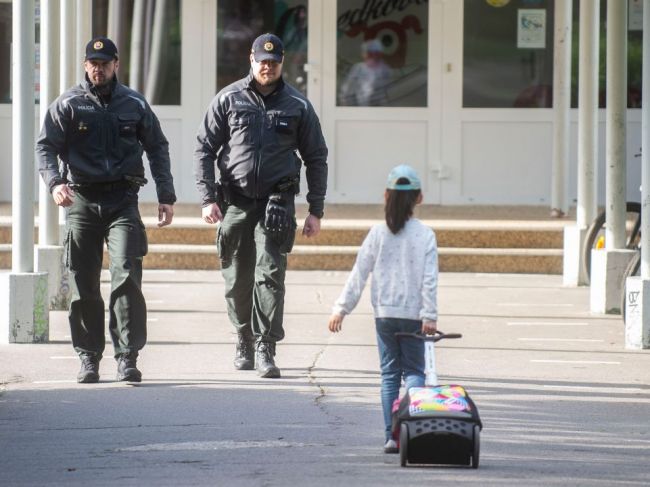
(595, 237)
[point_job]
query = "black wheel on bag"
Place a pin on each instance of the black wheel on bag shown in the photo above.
(403, 444)
(477, 446)
(597, 229)
(633, 269)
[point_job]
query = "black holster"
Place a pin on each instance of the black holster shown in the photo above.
(223, 196)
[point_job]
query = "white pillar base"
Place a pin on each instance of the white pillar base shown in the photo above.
(49, 258)
(637, 313)
(607, 267)
(24, 313)
(573, 273)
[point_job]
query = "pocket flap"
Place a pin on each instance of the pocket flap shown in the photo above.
(128, 117)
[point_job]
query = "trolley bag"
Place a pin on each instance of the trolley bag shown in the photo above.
(436, 424)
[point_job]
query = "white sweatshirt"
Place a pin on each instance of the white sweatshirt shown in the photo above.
(404, 273)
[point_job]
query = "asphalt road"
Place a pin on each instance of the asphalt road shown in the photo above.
(562, 401)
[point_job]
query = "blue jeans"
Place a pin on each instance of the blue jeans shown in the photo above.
(403, 358)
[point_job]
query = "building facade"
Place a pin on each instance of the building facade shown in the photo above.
(462, 90)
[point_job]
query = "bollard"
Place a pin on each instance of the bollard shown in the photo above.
(24, 311)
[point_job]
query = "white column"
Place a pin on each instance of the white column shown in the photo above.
(587, 207)
(155, 57)
(49, 253)
(23, 293)
(23, 55)
(587, 174)
(67, 45)
(137, 45)
(608, 265)
(561, 106)
(83, 31)
(48, 230)
(637, 290)
(645, 149)
(67, 57)
(616, 123)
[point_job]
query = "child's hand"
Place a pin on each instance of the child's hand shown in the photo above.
(429, 327)
(336, 323)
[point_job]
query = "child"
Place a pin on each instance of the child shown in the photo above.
(402, 256)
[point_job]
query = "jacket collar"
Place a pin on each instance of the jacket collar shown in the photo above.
(250, 83)
(90, 88)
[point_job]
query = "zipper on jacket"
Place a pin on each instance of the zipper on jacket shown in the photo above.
(258, 155)
(96, 99)
(105, 137)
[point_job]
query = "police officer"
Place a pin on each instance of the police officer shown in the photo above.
(258, 129)
(99, 130)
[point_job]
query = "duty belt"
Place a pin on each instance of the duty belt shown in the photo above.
(127, 182)
(103, 187)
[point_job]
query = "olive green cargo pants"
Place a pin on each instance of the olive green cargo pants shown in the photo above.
(113, 217)
(253, 265)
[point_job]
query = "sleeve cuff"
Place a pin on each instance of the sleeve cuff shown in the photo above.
(317, 213)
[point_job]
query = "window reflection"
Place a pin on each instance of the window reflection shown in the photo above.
(5, 51)
(367, 82)
(240, 22)
(501, 71)
(148, 36)
(508, 57)
(382, 54)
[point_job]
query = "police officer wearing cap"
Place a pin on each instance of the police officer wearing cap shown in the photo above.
(260, 131)
(99, 130)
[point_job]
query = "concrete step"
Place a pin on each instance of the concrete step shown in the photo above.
(341, 257)
(521, 241)
(352, 232)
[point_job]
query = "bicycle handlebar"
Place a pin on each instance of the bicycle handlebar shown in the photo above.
(437, 336)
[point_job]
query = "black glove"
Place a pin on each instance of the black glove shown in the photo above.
(277, 220)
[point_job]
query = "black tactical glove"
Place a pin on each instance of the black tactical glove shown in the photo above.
(277, 220)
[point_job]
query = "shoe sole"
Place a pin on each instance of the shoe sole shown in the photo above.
(245, 366)
(130, 377)
(88, 379)
(269, 374)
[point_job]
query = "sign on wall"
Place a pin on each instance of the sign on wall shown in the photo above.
(531, 28)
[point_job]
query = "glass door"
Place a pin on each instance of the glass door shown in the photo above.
(382, 88)
(239, 22)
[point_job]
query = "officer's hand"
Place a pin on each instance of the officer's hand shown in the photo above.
(63, 195)
(429, 327)
(165, 214)
(312, 226)
(336, 323)
(211, 213)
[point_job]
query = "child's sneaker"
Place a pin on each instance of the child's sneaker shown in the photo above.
(391, 447)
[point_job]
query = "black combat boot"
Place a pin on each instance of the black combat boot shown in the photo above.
(265, 362)
(126, 368)
(245, 350)
(89, 371)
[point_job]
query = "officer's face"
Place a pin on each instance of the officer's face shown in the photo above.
(100, 72)
(267, 72)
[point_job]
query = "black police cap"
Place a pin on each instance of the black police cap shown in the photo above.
(101, 48)
(268, 46)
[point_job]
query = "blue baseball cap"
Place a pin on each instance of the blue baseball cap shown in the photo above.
(406, 172)
(268, 46)
(101, 48)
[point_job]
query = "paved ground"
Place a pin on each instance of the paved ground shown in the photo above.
(369, 211)
(562, 401)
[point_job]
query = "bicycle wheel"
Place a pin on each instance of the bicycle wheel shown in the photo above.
(597, 230)
(633, 269)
